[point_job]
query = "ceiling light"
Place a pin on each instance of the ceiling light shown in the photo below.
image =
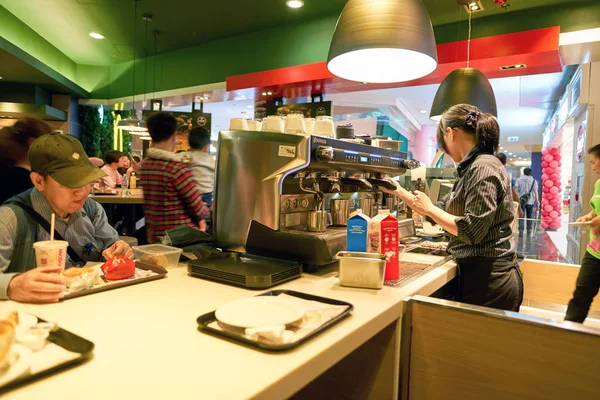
(97, 35)
(464, 86)
(294, 3)
(269, 93)
(515, 66)
(0, 77)
(471, 5)
(423, 111)
(510, 154)
(250, 106)
(264, 93)
(393, 42)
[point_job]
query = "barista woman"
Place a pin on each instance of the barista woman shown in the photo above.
(478, 212)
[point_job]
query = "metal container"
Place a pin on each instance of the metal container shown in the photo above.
(316, 221)
(340, 209)
(366, 205)
(406, 228)
(363, 270)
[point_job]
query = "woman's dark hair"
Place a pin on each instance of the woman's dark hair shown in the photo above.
(161, 126)
(15, 140)
(199, 138)
(502, 158)
(468, 118)
(113, 156)
(595, 150)
(136, 158)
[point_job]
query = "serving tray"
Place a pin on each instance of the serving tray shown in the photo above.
(83, 348)
(205, 320)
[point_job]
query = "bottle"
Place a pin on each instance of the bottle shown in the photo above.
(124, 185)
(133, 180)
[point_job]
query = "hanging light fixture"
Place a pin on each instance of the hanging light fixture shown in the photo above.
(132, 123)
(383, 41)
(464, 86)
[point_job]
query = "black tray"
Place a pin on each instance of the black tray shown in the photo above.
(206, 319)
(66, 340)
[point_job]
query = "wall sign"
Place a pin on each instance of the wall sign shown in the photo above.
(309, 110)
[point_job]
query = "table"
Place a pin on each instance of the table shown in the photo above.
(148, 345)
(134, 198)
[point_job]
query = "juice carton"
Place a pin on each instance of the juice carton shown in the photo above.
(383, 239)
(357, 238)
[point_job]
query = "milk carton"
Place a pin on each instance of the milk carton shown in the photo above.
(383, 239)
(357, 237)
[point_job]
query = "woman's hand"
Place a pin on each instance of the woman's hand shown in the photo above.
(422, 203)
(395, 192)
(585, 218)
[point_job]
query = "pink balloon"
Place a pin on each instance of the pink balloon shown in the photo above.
(544, 214)
(544, 225)
(557, 170)
(544, 164)
(557, 208)
(548, 157)
(555, 225)
(545, 190)
(548, 184)
(554, 190)
(545, 151)
(557, 157)
(555, 202)
(545, 176)
(549, 196)
(554, 164)
(545, 200)
(554, 177)
(548, 208)
(554, 151)
(549, 170)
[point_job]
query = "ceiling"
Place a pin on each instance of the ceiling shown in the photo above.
(184, 23)
(15, 70)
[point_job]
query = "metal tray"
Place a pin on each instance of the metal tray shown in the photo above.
(206, 319)
(66, 340)
(141, 265)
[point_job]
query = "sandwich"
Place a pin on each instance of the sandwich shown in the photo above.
(7, 336)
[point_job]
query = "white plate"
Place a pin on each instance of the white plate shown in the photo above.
(20, 362)
(260, 311)
(432, 235)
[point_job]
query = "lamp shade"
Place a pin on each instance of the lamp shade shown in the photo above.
(464, 86)
(132, 123)
(383, 41)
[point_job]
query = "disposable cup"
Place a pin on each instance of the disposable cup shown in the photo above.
(51, 253)
(238, 124)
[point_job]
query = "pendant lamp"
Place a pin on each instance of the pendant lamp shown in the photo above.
(132, 123)
(383, 41)
(464, 86)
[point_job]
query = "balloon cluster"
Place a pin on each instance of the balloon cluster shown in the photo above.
(551, 193)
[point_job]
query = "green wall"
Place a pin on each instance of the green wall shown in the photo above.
(298, 44)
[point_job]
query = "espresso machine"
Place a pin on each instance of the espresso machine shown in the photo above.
(269, 186)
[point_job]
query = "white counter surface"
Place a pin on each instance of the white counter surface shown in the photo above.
(148, 345)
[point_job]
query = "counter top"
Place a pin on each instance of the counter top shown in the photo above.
(148, 345)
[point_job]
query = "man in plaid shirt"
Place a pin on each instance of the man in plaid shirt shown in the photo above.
(171, 197)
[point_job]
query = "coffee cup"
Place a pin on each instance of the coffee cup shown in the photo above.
(428, 228)
(238, 124)
(51, 253)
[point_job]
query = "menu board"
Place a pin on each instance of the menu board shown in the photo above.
(309, 110)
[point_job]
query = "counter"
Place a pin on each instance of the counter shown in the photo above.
(148, 345)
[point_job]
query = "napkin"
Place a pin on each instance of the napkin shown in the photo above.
(316, 315)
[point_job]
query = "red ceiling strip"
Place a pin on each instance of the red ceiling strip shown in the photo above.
(538, 49)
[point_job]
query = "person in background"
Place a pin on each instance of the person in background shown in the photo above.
(527, 189)
(171, 197)
(202, 162)
(125, 165)
(114, 161)
(61, 173)
(588, 280)
(477, 213)
(134, 165)
(515, 197)
(14, 165)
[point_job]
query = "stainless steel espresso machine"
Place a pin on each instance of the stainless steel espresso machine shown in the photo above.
(269, 184)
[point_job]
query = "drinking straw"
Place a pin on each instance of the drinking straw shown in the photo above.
(52, 222)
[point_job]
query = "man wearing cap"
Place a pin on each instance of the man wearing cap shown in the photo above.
(61, 174)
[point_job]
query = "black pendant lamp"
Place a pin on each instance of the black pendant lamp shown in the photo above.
(132, 123)
(464, 86)
(383, 41)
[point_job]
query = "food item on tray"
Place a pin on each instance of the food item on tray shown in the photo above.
(159, 259)
(443, 246)
(118, 268)
(7, 337)
(80, 278)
